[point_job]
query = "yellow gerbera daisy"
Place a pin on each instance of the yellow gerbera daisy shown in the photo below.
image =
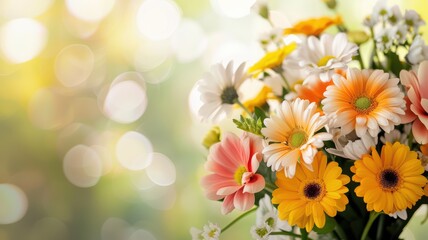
(272, 59)
(364, 101)
(305, 199)
(391, 182)
(313, 26)
(292, 136)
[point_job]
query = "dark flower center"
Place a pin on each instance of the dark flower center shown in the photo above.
(229, 95)
(389, 178)
(312, 190)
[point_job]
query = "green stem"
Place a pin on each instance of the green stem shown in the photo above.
(304, 234)
(237, 219)
(360, 59)
(373, 216)
(271, 186)
(289, 234)
(243, 107)
(380, 227)
(339, 231)
(375, 49)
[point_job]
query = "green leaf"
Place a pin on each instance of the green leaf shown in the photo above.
(394, 63)
(329, 226)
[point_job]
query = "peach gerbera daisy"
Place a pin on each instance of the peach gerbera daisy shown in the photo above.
(391, 182)
(364, 101)
(234, 162)
(305, 199)
(417, 109)
(292, 136)
(313, 91)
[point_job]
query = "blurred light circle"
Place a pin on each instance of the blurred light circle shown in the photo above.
(141, 180)
(130, 76)
(195, 101)
(82, 166)
(90, 10)
(115, 229)
(150, 54)
(142, 234)
(48, 109)
(22, 39)
(16, 9)
(13, 205)
(105, 156)
(133, 151)
(233, 9)
(158, 19)
(161, 170)
(74, 64)
(160, 73)
(125, 101)
(189, 41)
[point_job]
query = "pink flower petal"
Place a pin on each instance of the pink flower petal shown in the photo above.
(224, 191)
(423, 79)
(420, 132)
(243, 201)
(255, 184)
(424, 104)
(228, 205)
(409, 116)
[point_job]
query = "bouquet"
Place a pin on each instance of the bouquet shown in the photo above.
(331, 145)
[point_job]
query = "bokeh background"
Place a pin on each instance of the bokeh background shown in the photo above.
(90, 88)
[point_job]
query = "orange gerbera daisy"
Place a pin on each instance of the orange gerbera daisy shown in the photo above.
(305, 199)
(391, 182)
(364, 101)
(313, 91)
(313, 26)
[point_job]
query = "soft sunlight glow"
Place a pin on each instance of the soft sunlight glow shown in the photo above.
(48, 228)
(22, 39)
(233, 9)
(82, 166)
(151, 54)
(189, 41)
(47, 109)
(161, 170)
(125, 102)
(158, 19)
(13, 204)
(160, 197)
(141, 181)
(15, 8)
(90, 10)
(115, 228)
(142, 234)
(74, 65)
(133, 150)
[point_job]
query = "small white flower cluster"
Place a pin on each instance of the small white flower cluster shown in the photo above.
(210, 231)
(267, 221)
(391, 27)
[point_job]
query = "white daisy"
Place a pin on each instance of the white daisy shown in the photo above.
(380, 11)
(384, 38)
(320, 57)
(267, 221)
(397, 136)
(292, 136)
(394, 15)
(219, 91)
(418, 51)
(270, 40)
(351, 146)
(210, 231)
(413, 20)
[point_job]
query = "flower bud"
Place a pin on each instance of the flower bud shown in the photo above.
(212, 137)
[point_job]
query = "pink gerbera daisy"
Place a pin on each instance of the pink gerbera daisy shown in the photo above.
(234, 162)
(417, 101)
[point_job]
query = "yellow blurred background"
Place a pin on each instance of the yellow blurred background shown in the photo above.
(90, 88)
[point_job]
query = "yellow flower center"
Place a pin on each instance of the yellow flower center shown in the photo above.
(238, 174)
(389, 180)
(313, 190)
(324, 60)
(297, 138)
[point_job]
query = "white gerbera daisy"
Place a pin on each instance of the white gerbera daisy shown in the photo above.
(320, 57)
(210, 231)
(219, 91)
(292, 138)
(418, 51)
(350, 146)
